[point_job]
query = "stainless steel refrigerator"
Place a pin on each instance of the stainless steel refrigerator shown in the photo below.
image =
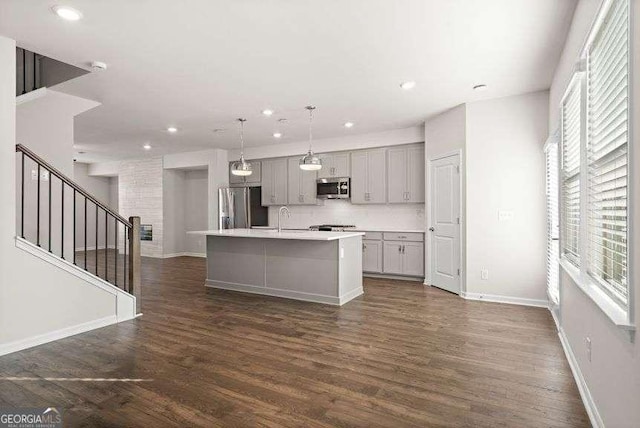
(240, 207)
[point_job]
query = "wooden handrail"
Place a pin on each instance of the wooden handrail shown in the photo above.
(71, 183)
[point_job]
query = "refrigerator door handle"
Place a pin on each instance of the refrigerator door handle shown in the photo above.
(247, 206)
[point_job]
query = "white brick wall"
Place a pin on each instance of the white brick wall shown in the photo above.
(140, 194)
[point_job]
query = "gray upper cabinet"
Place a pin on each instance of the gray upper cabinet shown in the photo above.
(253, 179)
(302, 184)
(369, 177)
(274, 182)
(405, 179)
(334, 165)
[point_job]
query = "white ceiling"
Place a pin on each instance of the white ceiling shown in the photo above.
(199, 64)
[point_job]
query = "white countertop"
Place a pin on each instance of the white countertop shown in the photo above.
(304, 235)
(373, 229)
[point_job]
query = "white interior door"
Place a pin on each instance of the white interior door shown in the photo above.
(445, 223)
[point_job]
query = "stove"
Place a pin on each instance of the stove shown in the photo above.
(332, 227)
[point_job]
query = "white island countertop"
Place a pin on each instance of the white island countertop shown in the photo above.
(303, 235)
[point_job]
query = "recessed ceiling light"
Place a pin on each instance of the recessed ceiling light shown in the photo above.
(66, 12)
(480, 87)
(408, 85)
(277, 134)
(267, 112)
(348, 125)
(147, 146)
(172, 129)
(217, 130)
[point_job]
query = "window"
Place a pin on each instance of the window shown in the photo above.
(594, 166)
(607, 148)
(570, 198)
(551, 156)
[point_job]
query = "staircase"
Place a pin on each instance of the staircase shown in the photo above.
(59, 221)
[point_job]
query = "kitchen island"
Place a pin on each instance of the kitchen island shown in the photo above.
(323, 267)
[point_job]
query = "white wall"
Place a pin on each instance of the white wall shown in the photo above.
(505, 170)
(612, 376)
(196, 217)
(36, 298)
(174, 211)
(391, 217)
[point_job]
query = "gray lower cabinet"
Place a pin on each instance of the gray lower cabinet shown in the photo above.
(254, 178)
(404, 258)
(301, 184)
(274, 182)
(372, 256)
(369, 177)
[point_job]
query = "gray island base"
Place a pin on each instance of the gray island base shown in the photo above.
(322, 267)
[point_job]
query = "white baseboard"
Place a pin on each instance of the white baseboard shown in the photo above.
(19, 345)
(186, 254)
(585, 394)
(289, 294)
(505, 299)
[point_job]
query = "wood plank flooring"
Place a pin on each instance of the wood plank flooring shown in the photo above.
(400, 355)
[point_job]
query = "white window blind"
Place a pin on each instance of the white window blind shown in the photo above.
(553, 249)
(570, 198)
(607, 147)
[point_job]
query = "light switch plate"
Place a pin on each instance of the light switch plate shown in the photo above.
(484, 274)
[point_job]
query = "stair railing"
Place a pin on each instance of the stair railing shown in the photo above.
(128, 277)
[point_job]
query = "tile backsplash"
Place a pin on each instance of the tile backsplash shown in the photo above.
(394, 217)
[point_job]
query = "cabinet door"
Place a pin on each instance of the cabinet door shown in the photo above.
(372, 256)
(393, 257)
(415, 174)
(341, 165)
(307, 186)
(359, 178)
(397, 175)
(327, 165)
(280, 178)
(294, 190)
(377, 176)
(413, 258)
(256, 176)
(268, 196)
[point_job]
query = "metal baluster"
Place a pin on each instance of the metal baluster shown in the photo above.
(115, 240)
(85, 233)
(74, 226)
(62, 220)
(106, 245)
(96, 239)
(49, 218)
(22, 200)
(126, 229)
(38, 211)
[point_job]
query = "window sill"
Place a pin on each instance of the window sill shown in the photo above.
(614, 312)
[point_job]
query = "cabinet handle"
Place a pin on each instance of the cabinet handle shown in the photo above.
(403, 249)
(364, 247)
(402, 237)
(400, 249)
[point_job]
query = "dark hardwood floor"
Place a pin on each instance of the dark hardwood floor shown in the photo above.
(401, 355)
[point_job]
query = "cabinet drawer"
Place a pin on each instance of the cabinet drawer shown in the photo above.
(373, 235)
(399, 236)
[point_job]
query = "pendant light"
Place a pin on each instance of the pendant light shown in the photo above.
(241, 167)
(310, 161)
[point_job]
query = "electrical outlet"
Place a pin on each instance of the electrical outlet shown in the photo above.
(505, 215)
(484, 274)
(587, 342)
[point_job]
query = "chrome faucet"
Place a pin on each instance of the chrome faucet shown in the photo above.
(280, 211)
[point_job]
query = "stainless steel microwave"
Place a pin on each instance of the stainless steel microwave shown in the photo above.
(333, 188)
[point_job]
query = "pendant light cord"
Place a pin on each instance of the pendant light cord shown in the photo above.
(242, 121)
(310, 108)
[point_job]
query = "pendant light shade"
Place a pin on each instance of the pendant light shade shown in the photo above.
(241, 167)
(310, 161)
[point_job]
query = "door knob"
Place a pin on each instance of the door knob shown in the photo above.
(431, 229)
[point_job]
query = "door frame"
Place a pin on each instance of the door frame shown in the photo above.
(428, 216)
